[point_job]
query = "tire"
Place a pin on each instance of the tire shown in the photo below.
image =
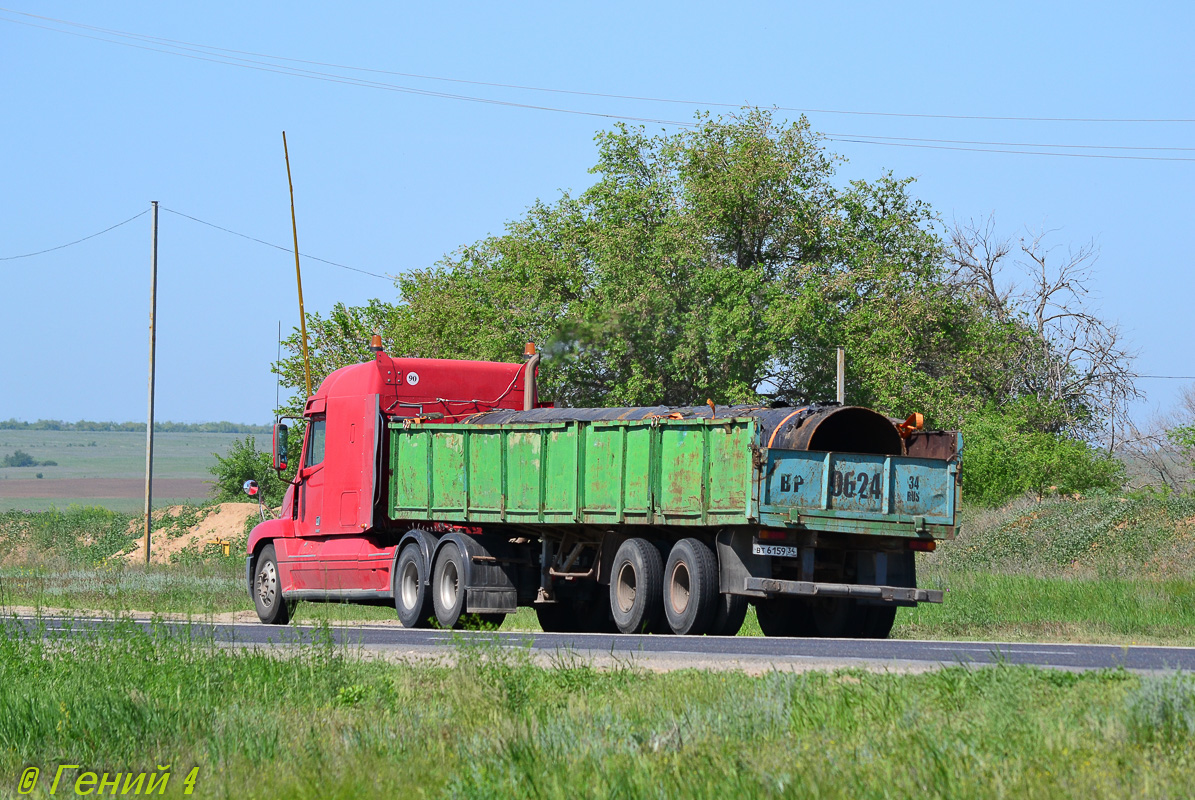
(272, 608)
(878, 622)
(448, 586)
(412, 589)
(691, 588)
(558, 617)
(589, 613)
(838, 618)
(729, 612)
(784, 616)
(636, 587)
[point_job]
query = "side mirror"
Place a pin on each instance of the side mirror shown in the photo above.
(278, 460)
(250, 488)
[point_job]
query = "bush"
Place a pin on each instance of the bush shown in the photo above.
(1003, 457)
(245, 462)
(19, 459)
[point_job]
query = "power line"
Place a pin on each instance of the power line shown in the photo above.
(604, 95)
(77, 241)
(212, 54)
(278, 246)
(835, 138)
(332, 78)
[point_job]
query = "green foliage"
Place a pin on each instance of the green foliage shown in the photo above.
(19, 458)
(722, 263)
(77, 535)
(1006, 455)
(244, 462)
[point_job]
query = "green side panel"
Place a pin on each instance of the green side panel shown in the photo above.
(408, 484)
(637, 475)
(448, 473)
(524, 466)
(485, 475)
(690, 472)
(560, 474)
(602, 480)
(729, 481)
(681, 461)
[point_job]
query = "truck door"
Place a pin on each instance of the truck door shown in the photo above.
(307, 567)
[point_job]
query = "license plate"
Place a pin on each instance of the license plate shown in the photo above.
(782, 550)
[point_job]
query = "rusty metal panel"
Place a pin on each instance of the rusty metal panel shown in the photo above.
(446, 473)
(846, 492)
(560, 473)
(485, 474)
(682, 456)
(409, 485)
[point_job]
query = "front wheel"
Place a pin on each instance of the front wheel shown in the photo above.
(272, 608)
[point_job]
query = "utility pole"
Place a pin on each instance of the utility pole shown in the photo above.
(294, 226)
(841, 375)
(153, 341)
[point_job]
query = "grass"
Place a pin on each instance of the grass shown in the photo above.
(1104, 569)
(320, 722)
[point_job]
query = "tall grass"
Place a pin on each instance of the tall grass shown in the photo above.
(490, 723)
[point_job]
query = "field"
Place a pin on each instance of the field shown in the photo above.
(107, 468)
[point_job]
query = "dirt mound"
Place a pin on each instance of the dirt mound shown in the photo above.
(225, 522)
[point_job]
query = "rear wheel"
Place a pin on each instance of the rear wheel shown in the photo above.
(690, 587)
(558, 617)
(729, 612)
(636, 587)
(412, 590)
(838, 617)
(879, 621)
(784, 616)
(448, 586)
(272, 608)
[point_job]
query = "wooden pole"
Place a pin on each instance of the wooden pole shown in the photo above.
(294, 226)
(153, 340)
(841, 375)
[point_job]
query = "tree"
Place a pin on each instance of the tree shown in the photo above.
(244, 462)
(1060, 351)
(720, 262)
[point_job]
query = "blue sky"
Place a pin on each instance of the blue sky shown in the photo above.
(387, 181)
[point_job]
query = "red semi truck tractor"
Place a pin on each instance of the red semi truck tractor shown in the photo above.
(447, 489)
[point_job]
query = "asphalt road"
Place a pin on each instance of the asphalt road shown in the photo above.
(669, 652)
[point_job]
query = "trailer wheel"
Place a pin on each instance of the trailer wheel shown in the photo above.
(272, 608)
(838, 617)
(878, 622)
(690, 587)
(412, 590)
(784, 616)
(558, 617)
(448, 586)
(729, 612)
(637, 587)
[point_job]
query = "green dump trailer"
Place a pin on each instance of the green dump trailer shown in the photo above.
(667, 519)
